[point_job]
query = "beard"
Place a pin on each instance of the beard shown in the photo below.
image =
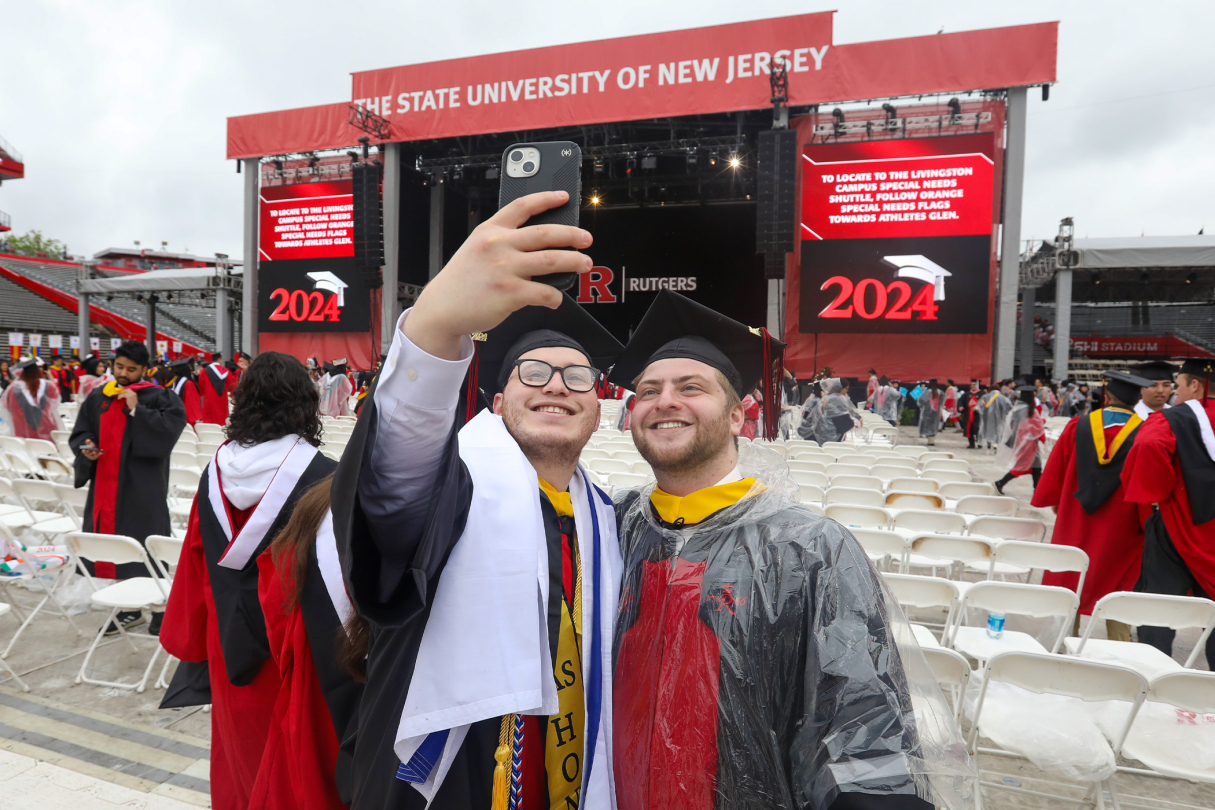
(547, 445)
(710, 440)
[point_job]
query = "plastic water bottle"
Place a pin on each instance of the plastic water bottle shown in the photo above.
(995, 625)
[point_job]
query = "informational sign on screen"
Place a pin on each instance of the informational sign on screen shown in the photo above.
(897, 236)
(306, 221)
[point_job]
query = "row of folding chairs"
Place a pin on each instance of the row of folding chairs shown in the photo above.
(879, 478)
(845, 491)
(914, 522)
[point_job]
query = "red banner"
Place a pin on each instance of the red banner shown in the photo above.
(698, 71)
(306, 221)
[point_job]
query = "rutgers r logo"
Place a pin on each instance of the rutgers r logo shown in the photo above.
(593, 286)
(724, 599)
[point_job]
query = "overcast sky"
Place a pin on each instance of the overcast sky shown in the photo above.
(120, 107)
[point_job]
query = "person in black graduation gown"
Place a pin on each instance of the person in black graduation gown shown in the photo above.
(404, 494)
(122, 440)
(761, 662)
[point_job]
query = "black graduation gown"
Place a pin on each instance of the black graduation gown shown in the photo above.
(392, 583)
(785, 676)
(143, 485)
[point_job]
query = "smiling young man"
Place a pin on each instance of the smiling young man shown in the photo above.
(484, 559)
(760, 661)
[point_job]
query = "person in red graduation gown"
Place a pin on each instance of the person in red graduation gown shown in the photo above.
(307, 614)
(1082, 482)
(1172, 469)
(215, 385)
(214, 617)
(178, 377)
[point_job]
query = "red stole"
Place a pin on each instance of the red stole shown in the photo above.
(105, 479)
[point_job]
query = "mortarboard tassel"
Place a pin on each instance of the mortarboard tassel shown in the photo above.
(774, 364)
(472, 380)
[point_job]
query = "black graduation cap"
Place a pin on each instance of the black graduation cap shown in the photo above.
(216, 356)
(1028, 394)
(26, 363)
(181, 366)
(676, 326)
(530, 328)
(1124, 385)
(883, 380)
(1197, 366)
(1155, 370)
(328, 368)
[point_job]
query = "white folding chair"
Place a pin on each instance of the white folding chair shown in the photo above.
(185, 459)
(846, 469)
(931, 455)
(1011, 598)
(1007, 528)
(206, 449)
(920, 501)
(802, 465)
(952, 464)
(1056, 675)
(889, 472)
(4, 609)
(882, 545)
(34, 493)
(857, 482)
(913, 522)
(888, 459)
(946, 476)
(73, 502)
(643, 468)
(1144, 610)
(817, 479)
(911, 450)
(859, 517)
(165, 553)
(1193, 692)
(852, 496)
(952, 670)
(947, 551)
(589, 453)
(137, 593)
(610, 465)
(925, 593)
(889, 432)
(906, 484)
(814, 507)
(627, 480)
(183, 483)
(987, 506)
(1019, 555)
(32, 567)
(956, 490)
(809, 493)
(859, 459)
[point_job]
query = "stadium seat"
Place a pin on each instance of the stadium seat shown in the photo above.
(858, 516)
(912, 484)
(853, 497)
(913, 500)
(1150, 610)
(1011, 598)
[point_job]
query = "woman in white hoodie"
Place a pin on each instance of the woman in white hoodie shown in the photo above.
(214, 619)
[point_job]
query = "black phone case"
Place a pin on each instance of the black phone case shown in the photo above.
(558, 172)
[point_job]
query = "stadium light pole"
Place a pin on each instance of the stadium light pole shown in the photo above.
(248, 341)
(1010, 237)
(82, 311)
(1029, 297)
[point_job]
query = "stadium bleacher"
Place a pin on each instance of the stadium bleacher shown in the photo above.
(24, 311)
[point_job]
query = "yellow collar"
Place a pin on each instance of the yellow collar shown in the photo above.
(112, 388)
(561, 501)
(1097, 424)
(699, 505)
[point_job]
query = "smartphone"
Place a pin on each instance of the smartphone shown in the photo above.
(545, 166)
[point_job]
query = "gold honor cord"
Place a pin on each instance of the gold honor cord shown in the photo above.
(501, 794)
(1097, 425)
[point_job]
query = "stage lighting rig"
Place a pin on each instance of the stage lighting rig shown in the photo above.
(735, 161)
(778, 80)
(364, 119)
(649, 162)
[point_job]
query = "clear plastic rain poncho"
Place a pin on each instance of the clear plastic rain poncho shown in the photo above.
(1021, 440)
(837, 413)
(810, 413)
(761, 662)
(887, 403)
(335, 394)
(996, 406)
(30, 415)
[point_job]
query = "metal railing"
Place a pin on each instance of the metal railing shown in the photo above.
(6, 222)
(8, 149)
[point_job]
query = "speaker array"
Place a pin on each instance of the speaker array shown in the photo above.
(368, 222)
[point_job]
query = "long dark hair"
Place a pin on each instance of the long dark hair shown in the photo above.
(275, 398)
(290, 550)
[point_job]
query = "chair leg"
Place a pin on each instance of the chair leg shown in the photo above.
(162, 682)
(8, 649)
(84, 665)
(65, 573)
(143, 682)
(14, 675)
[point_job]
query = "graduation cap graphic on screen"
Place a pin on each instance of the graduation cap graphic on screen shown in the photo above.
(921, 268)
(325, 280)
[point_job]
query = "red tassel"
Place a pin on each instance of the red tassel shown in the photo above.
(472, 392)
(774, 366)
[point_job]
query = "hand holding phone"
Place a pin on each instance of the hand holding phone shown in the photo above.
(546, 166)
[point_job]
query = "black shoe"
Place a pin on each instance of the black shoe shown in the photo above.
(127, 619)
(154, 625)
(999, 487)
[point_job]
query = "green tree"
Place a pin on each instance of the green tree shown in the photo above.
(34, 243)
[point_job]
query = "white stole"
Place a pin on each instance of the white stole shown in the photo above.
(485, 650)
(1204, 426)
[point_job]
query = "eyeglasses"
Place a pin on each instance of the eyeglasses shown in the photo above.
(537, 373)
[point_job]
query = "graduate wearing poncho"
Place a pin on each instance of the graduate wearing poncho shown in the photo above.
(760, 660)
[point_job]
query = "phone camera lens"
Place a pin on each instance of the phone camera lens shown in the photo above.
(516, 156)
(529, 166)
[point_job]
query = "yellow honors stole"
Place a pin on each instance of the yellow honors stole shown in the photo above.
(1096, 422)
(565, 743)
(699, 505)
(112, 388)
